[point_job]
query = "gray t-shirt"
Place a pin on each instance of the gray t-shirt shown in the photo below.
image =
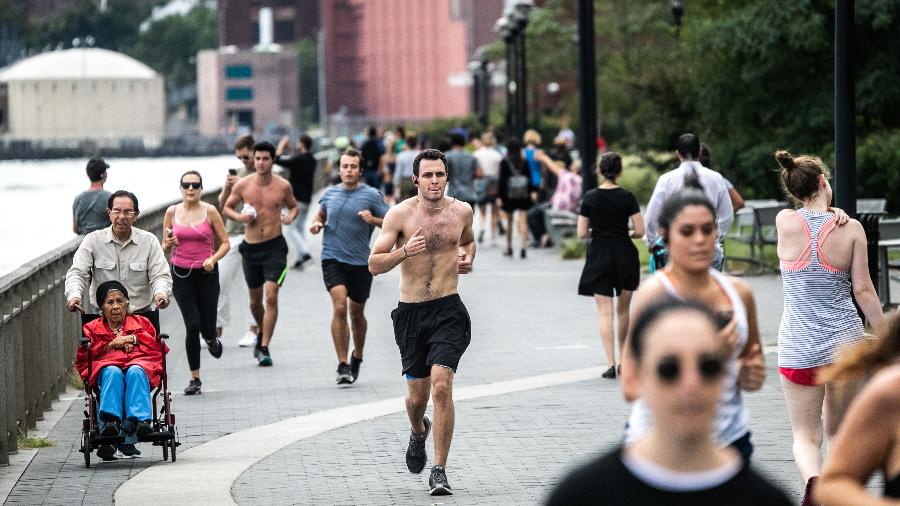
(89, 210)
(346, 236)
(461, 171)
(404, 164)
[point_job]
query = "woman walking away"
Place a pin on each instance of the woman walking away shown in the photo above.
(869, 437)
(517, 193)
(612, 268)
(677, 461)
(687, 225)
(823, 268)
(192, 229)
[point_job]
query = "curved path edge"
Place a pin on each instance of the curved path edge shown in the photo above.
(205, 473)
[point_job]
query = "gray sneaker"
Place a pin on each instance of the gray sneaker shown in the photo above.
(438, 482)
(416, 456)
(344, 376)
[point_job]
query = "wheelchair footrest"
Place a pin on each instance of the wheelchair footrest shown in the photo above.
(156, 436)
(107, 440)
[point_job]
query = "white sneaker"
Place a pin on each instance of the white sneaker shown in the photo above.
(248, 340)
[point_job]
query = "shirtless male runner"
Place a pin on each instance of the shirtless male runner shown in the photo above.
(264, 250)
(430, 237)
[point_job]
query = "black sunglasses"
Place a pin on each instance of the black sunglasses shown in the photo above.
(193, 186)
(710, 367)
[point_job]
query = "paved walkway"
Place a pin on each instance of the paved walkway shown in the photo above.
(530, 405)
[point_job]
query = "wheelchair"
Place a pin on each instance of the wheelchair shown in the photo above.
(164, 434)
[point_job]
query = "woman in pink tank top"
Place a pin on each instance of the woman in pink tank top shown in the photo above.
(191, 231)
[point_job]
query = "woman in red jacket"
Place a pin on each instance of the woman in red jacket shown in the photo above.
(127, 362)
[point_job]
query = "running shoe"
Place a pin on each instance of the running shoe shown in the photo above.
(438, 482)
(215, 347)
(344, 376)
(265, 360)
(416, 456)
(193, 387)
(106, 452)
(111, 428)
(248, 340)
(257, 345)
(354, 366)
(300, 264)
(129, 451)
(145, 427)
(609, 374)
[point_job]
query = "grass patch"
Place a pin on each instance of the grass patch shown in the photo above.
(573, 248)
(73, 380)
(34, 442)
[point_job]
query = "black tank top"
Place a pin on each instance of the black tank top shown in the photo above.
(892, 487)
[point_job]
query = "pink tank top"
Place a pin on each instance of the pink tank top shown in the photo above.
(195, 243)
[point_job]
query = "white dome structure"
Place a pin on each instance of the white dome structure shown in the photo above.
(84, 93)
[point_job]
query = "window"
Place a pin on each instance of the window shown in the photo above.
(238, 72)
(284, 31)
(239, 94)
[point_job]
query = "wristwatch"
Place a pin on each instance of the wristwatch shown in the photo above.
(134, 340)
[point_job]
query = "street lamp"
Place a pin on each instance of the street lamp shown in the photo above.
(504, 28)
(677, 13)
(512, 28)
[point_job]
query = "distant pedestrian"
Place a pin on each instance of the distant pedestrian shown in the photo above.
(565, 132)
(868, 440)
(348, 214)
(372, 150)
(737, 201)
(687, 225)
(687, 149)
(243, 151)
(302, 171)
(612, 269)
(677, 460)
(532, 141)
(89, 209)
(825, 269)
(563, 202)
(487, 187)
(430, 237)
(192, 230)
(404, 187)
(264, 250)
(463, 170)
(518, 193)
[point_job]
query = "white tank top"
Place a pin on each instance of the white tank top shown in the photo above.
(732, 421)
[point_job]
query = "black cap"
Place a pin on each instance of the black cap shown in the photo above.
(108, 286)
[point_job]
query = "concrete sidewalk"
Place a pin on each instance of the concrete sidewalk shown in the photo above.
(508, 448)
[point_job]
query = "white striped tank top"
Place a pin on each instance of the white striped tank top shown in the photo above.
(732, 421)
(819, 315)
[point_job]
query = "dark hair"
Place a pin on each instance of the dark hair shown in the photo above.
(306, 141)
(800, 175)
(704, 156)
(457, 139)
(244, 141)
(96, 167)
(610, 165)
(429, 154)
(672, 207)
(401, 130)
(353, 153)
(514, 152)
(688, 146)
(265, 146)
(372, 131)
(192, 173)
(412, 140)
(657, 310)
(123, 193)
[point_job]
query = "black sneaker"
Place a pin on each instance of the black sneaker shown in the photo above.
(416, 456)
(257, 346)
(344, 377)
(215, 347)
(354, 366)
(438, 482)
(193, 387)
(609, 374)
(106, 452)
(301, 262)
(146, 427)
(129, 451)
(265, 360)
(111, 429)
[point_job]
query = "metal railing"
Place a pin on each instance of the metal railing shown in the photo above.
(38, 337)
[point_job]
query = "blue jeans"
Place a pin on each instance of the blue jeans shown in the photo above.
(124, 396)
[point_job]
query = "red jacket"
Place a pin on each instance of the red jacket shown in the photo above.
(146, 354)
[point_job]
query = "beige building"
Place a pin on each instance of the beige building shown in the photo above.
(64, 97)
(246, 90)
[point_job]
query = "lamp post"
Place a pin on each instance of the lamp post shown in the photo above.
(512, 28)
(519, 16)
(587, 83)
(504, 27)
(844, 107)
(677, 13)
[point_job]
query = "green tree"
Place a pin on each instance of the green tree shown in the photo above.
(308, 67)
(115, 28)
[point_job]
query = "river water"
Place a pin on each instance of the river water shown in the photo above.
(36, 196)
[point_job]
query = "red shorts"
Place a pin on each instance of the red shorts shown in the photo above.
(805, 377)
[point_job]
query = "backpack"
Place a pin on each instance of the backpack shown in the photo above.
(517, 187)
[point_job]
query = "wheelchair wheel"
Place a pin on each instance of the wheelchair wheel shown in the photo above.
(165, 446)
(86, 448)
(173, 443)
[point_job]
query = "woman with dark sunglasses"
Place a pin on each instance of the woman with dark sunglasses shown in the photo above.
(192, 229)
(687, 225)
(677, 461)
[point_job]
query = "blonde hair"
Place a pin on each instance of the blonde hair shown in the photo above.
(867, 356)
(532, 137)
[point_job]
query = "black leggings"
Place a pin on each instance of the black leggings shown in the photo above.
(197, 293)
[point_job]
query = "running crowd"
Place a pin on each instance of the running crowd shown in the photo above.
(688, 438)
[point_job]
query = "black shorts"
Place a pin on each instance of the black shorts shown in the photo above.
(356, 278)
(264, 261)
(436, 332)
